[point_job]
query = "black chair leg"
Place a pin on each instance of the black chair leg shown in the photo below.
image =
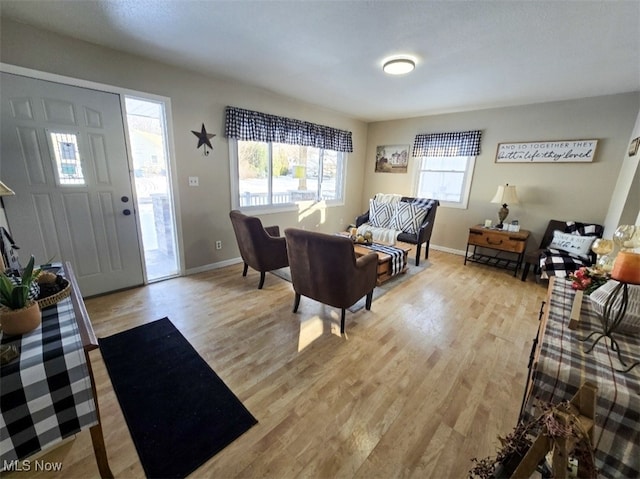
(525, 271)
(244, 271)
(418, 248)
(426, 251)
(296, 303)
(369, 299)
(342, 322)
(262, 275)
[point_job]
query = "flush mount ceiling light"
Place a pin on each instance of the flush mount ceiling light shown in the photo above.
(398, 66)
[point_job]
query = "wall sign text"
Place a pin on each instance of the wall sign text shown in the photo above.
(560, 151)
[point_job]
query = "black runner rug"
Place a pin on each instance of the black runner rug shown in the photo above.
(179, 412)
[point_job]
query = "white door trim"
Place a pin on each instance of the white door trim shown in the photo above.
(40, 75)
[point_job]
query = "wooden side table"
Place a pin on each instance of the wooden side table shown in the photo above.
(49, 393)
(510, 242)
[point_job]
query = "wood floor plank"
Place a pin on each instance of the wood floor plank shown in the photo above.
(416, 387)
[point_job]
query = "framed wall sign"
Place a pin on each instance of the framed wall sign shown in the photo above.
(392, 158)
(559, 151)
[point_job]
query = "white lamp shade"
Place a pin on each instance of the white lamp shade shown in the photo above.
(5, 190)
(506, 194)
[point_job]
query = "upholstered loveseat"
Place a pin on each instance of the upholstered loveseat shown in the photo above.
(565, 247)
(400, 218)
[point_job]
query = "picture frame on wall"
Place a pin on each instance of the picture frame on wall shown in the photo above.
(555, 151)
(392, 158)
(633, 147)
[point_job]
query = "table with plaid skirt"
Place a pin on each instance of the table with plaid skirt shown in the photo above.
(45, 393)
(563, 366)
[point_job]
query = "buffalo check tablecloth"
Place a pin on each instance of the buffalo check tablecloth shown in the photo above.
(564, 365)
(45, 394)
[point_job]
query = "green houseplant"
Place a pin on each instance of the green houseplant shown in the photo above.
(19, 313)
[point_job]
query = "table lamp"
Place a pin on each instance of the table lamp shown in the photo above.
(505, 194)
(5, 190)
(602, 247)
(626, 270)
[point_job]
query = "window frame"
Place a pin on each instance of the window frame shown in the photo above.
(466, 186)
(291, 206)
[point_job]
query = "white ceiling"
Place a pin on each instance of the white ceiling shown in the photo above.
(470, 54)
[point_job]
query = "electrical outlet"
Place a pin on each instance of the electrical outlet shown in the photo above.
(218, 244)
(194, 181)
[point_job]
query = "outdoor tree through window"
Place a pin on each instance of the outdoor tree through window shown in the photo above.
(278, 173)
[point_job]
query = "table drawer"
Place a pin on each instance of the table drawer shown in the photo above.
(497, 240)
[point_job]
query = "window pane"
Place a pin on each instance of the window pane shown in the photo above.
(451, 163)
(253, 173)
(444, 186)
(279, 173)
(330, 168)
(68, 164)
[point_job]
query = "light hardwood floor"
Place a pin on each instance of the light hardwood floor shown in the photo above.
(418, 386)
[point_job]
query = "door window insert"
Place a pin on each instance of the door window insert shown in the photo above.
(65, 150)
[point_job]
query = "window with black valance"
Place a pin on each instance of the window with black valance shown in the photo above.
(460, 143)
(251, 125)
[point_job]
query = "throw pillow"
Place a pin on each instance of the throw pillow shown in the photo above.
(380, 214)
(408, 217)
(574, 244)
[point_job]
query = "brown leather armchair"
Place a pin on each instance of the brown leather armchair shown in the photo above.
(261, 248)
(325, 268)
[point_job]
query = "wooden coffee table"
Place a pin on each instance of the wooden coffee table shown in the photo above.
(384, 260)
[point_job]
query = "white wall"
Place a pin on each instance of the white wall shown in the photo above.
(195, 99)
(624, 207)
(571, 191)
(563, 191)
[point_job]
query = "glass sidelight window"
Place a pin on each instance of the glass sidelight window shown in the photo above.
(154, 197)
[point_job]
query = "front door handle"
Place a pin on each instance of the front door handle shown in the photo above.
(124, 199)
(126, 212)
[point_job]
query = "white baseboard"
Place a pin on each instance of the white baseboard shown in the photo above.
(229, 262)
(447, 250)
(211, 266)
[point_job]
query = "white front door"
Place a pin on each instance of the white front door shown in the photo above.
(63, 152)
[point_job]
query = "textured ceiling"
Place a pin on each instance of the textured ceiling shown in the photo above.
(470, 54)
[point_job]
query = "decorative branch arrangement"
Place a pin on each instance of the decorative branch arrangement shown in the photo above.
(563, 428)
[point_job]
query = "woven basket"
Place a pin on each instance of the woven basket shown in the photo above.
(631, 321)
(55, 298)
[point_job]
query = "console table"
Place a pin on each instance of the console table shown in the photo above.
(560, 365)
(48, 393)
(502, 241)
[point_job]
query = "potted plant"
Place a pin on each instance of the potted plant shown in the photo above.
(19, 312)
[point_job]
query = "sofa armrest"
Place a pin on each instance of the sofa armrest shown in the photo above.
(273, 230)
(362, 219)
(426, 228)
(362, 261)
(366, 269)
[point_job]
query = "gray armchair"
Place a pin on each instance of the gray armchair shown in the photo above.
(325, 268)
(261, 248)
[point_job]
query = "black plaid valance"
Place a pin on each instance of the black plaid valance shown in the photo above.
(255, 126)
(462, 143)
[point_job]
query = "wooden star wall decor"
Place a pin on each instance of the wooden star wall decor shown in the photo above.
(204, 139)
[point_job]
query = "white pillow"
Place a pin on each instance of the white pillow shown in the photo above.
(408, 217)
(575, 244)
(380, 214)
